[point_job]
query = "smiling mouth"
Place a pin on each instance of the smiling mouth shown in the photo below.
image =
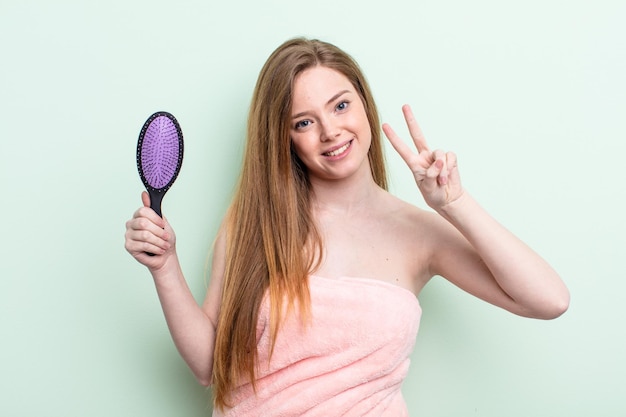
(338, 151)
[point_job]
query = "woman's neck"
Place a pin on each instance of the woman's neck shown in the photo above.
(345, 195)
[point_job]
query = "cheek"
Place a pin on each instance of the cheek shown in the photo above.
(297, 148)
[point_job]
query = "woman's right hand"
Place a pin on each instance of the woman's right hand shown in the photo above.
(147, 233)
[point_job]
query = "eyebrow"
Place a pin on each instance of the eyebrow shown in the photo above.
(333, 98)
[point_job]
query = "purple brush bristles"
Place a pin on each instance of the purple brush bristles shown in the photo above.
(160, 152)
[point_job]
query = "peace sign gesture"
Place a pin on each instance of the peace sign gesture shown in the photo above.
(435, 172)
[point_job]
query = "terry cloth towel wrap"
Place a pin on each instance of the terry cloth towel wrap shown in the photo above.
(350, 360)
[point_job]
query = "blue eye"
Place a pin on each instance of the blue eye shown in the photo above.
(342, 105)
(302, 124)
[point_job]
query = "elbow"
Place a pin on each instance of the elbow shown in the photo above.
(205, 382)
(204, 376)
(561, 308)
(204, 379)
(553, 313)
(555, 308)
(545, 308)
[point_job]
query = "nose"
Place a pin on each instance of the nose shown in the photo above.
(330, 129)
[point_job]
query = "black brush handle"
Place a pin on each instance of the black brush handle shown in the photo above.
(156, 197)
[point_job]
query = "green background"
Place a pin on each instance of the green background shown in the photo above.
(530, 95)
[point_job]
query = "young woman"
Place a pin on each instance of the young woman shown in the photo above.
(311, 307)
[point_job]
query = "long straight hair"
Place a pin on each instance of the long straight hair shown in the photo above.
(272, 242)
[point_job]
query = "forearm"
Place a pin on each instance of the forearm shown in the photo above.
(191, 329)
(521, 273)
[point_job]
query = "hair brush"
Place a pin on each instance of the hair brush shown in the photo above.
(159, 155)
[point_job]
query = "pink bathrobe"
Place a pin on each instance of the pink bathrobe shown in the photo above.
(349, 361)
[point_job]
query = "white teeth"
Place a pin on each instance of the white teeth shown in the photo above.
(338, 151)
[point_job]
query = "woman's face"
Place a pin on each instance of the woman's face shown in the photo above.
(329, 126)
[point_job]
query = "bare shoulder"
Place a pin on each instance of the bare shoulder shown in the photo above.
(417, 235)
(417, 223)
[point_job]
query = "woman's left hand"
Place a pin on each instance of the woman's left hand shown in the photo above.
(435, 172)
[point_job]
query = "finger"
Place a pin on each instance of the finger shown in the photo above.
(438, 168)
(143, 235)
(442, 178)
(452, 166)
(414, 129)
(148, 213)
(147, 224)
(145, 239)
(140, 248)
(449, 166)
(145, 199)
(451, 162)
(405, 152)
